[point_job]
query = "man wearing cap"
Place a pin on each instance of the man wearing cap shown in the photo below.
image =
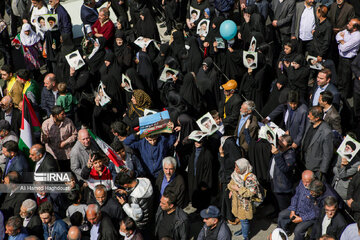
(5, 135)
(229, 107)
(215, 227)
(10, 114)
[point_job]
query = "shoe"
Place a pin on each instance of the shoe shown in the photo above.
(238, 233)
(162, 25)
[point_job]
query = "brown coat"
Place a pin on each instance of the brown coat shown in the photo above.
(346, 14)
(253, 129)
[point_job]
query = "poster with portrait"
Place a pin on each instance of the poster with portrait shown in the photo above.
(75, 60)
(348, 148)
(51, 21)
(203, 28)
(207, 124)
(167, 74)
(154, 124)
(197, 135)
(270, 135)
(312, 61)
(143, 42)
(149, 112)
(279, 131)
(220, 42)
(127, 83)
(194, 14)
(250, 59)
(252, 46)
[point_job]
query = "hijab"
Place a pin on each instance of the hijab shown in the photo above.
(175, 105)
(178, 44)
(245, 167)
(28, 40)
(143, 101)
(187, 124)
(192, 57)
(136, 81)
(147, 28)
(189, 91)
(97, 55)
(145, 70)
(111, 77)
(120, 49)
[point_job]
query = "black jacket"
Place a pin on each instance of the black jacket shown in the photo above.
(335, 229)
(322, 38)
(354, 193)
(176, 186)
(11, 204)
(107, 230)
(15, 120)
(232, 109)
(181, 226)
(34, 227)
(49, 164)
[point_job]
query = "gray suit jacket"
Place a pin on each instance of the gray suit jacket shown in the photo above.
(79, 157)
(333, 118)
(319, 152)
(285, 15)
(299, 9)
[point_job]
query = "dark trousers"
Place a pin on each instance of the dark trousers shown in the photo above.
(303, 46)
(283, 200)
(356, 92)
(15, 23)
(300, 229)
(6, 52)
(64, 165)
(344, 81)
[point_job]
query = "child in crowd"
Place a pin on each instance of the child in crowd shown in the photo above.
(66, 100)
(76, 206)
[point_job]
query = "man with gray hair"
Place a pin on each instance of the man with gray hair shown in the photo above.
(14, 228)
(102, 227)
(169, 180)
(104, 27)
(74, 233)
(31, 220)
(246, 112)
(5, 135)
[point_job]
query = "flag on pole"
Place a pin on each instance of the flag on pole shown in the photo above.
(109, 152)
(29, 125)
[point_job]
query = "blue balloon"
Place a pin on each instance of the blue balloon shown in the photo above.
(228, 29)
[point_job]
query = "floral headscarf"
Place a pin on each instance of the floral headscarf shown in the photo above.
(143, 101)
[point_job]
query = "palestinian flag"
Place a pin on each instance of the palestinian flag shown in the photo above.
(29, 125)
(109, 152)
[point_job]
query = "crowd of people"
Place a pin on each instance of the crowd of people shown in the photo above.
(292, 67)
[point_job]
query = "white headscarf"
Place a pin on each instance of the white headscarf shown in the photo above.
(28, 40)
(242, 164)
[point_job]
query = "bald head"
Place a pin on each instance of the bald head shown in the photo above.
(74, 233)
(6, 103)
(32, 237)
(37, 151)
(307, 177)
(84, 137)
(50, 81)
(93, 214)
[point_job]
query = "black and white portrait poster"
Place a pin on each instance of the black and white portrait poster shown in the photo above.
(348, 148)
(75, 60)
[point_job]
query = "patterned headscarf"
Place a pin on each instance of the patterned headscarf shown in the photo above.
(245, 167)
(143, 101)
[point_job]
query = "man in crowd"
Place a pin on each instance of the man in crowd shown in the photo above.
(170, 180)
(74, 233)
(64, 19)
(170, 220)
(13, 88)
(331, 115)
(49, 94)
(331, 221)
(102, 227)
(294, 117)
(53, 228)
(136, 199)
(246, 112)
(229, 106)
(348, 44)
(31, 220)
(15, 160)
(281, 14)
(81, 151)
(44, 161)
(129, 230)
(10, 114)
(340, 14)
(104, 27)
(5, 135)
(302, 211)
(14, 228)
(59, 135)
(215, 227)
(317, 144)
(89, 14)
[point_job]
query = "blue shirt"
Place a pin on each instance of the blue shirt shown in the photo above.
(165, 183)
(8, 166)
(94, 232)
(351, 232)
(317, 94)
(241, 124)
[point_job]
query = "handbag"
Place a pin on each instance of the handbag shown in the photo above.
(104, 98)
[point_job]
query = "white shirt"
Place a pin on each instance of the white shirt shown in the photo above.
(272, 168)
(39, 163)
(307, 24)
(352, 43)
(325, 223)
(94, 232)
